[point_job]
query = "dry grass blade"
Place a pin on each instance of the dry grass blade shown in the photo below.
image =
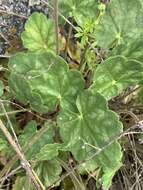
(25, 164)
(12, 13)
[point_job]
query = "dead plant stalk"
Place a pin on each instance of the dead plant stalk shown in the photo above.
(25, 164)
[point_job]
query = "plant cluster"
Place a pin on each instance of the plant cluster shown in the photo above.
(83, 127)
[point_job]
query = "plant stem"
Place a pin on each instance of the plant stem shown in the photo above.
(68, 41)
(56, 25)
(11, 163)
(83, 57)
(12, 13)
(10, 125)
(77, 183)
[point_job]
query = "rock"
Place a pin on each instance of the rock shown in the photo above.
(13, 15)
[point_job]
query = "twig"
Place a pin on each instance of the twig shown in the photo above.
(10, 124)
(56, 25)
(12, 13)
(10, 164)
(130, 92)
(10, 174)
(25, 164)
(2, 36)
(22, 108)
(5, 56)
(74, 177)
(130, 113)
(13, 112)
(62, 16)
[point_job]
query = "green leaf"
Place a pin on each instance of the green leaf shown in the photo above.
(116, 74)
(80, 10)
(30, 132)
(87, 129)
(109, 174)
(18, 82)
(139, 96)
(1, 88)
(3, 144)
(48, 152)
(48, 79)
(121, 22)
(23, 182)
(39, 33)
(5, 147)
(132, 49)
(48, 171)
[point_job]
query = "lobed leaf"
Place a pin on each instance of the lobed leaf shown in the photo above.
(48, 171)
(122, 21)
(22, 182)
(80, 10)
(39, 33)
(48, 152)
(48, 79)
(43, 139)
(116, 74)
(87, 129)
(42, 153)
(133, 49)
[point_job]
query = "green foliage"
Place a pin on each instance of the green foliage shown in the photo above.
(48, 152)
(3, 144)
(38, 34)
(88, 128)
(42, 152)
(85, 32)
(116, 74)
(42, 81)
(132, 49)
(48, 171)
(121, 22)
(22, 182)
(79, 10)
(43, 139)
(46, 81)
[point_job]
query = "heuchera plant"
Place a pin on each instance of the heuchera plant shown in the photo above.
(41, 79)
